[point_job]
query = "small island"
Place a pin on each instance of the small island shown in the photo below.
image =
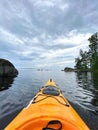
(68, 69)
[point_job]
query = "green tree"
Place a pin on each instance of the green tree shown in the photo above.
(83, 59)
(89, 60)
(94, 51)
(82, 62)
(78, 63)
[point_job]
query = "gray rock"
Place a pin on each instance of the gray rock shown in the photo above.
(7, 68)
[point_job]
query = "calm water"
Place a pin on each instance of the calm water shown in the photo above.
(80, 88)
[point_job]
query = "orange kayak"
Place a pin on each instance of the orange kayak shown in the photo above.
(48, 110)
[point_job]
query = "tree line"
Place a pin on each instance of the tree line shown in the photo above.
(88, 60)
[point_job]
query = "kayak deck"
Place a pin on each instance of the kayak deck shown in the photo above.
(49, 110)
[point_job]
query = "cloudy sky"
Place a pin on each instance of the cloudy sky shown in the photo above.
(46, 33)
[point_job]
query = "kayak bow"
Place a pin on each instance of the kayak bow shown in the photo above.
(49, 110)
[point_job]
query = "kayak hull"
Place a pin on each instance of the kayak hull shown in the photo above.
(48, 108)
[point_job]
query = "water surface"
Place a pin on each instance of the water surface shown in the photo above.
(79, 88)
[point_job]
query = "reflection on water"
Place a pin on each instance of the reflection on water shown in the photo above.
(95, 80)
(5, 82)
(81, 88)
(95, 91)
(89, 82)
(84, 80)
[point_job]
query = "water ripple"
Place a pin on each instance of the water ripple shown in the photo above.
(77, 88)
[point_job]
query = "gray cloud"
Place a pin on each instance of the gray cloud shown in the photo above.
(47, 31)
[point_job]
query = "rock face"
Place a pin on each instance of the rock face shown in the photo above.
(7, 68)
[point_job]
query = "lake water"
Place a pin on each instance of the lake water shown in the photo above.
(79, 88)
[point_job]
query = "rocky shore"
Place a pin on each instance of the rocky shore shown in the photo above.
(68, 69)
(7, 68)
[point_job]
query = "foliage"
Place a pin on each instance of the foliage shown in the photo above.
(89, 60)
(82, 62)
(94, 51)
